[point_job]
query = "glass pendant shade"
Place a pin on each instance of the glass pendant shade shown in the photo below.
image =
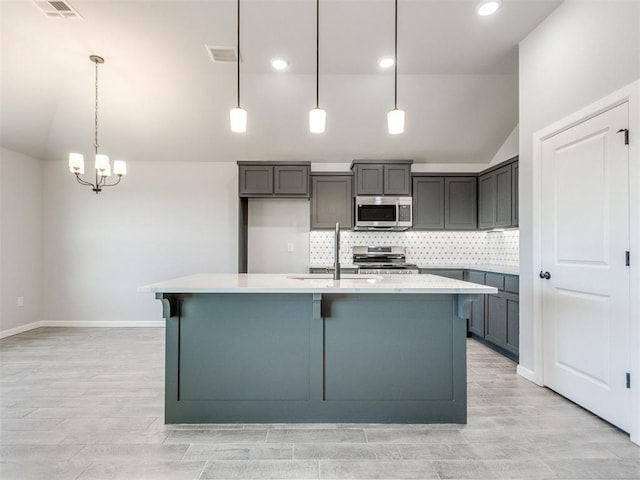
(238, 117)
(102, 162)
(395, 121)
(119, 167)
(76, 163)
(317, 120)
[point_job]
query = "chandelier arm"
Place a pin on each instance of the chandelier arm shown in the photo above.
(84, 182)
(112, 184)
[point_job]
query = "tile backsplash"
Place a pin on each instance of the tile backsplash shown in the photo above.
(424, 248)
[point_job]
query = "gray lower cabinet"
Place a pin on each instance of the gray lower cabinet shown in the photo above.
(495, 319)
(476, 322)
(382, 177)
(331, 201)
(258, 179)
(502, 327)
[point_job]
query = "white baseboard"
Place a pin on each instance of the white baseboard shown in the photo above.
(20, 329)
(528, 374)
(102, 323)
(83, 324)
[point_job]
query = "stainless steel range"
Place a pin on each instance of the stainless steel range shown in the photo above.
(382, 260)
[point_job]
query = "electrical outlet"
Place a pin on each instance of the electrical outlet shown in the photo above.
(20, 302)
(290, 247)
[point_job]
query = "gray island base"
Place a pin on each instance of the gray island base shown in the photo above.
(334, 351)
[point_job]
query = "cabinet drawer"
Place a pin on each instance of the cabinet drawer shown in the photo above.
(476, 277)
(512, 284)
(444, 272)
(495, 280)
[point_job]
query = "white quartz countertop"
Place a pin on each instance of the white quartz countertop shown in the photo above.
(509, 270)
(314, 283)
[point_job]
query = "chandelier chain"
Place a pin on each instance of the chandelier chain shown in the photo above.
(95, 144)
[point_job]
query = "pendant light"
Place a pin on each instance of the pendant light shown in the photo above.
(102, 165)
(238, 115)
(317, 116)
(395, 118)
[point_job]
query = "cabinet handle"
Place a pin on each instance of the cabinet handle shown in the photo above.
(545, 275)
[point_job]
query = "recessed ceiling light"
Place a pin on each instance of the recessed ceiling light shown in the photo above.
(488, 7)
(385, 62)
(279, 64)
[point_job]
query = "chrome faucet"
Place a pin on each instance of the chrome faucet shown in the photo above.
(336, 263)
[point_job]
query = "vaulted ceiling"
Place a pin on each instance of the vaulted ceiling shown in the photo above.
(163, 99)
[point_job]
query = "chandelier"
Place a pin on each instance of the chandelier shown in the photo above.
(102, 165)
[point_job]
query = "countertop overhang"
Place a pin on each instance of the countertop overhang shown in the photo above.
(315, 283)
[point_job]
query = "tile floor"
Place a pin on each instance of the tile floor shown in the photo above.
(87, 403)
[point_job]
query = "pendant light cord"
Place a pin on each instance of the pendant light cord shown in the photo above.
(95, 140)
(395, 63)
(317, 53)
(238, 29)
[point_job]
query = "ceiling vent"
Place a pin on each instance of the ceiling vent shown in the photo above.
(57, 9)
(222, 54)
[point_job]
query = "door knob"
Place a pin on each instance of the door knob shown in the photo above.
(545, 275)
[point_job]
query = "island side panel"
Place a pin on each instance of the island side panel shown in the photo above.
(266, 358)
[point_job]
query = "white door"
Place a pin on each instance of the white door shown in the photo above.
(585, 236)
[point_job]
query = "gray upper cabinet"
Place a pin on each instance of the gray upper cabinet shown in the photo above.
(382, 177)
(428, 203)
(291, 180)
(331, 200)
(460, 205)
(284, 179)
(369, 179)
(503, 196)
(486, 201)
(256, 180)
(497, 197)
(515, 178)
(397, 179)
(444, 203)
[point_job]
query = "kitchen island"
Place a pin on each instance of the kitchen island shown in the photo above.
(273, 348)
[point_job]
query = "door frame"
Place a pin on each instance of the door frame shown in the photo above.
(631, 95)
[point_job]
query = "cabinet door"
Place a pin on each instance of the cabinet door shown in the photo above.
(503, 196)
(369, 179)
(496, 321)
(291, 180)
(513, 323)
(460, 203)
(256, 180)
(487, 201)
(515, 177)
(397, 179)
(428, 203)
(476, 322)
(331, 201)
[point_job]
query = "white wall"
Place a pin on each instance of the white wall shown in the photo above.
(509, 149)
(273, 224)
(164, 220)
(20, 239)
(582, 52)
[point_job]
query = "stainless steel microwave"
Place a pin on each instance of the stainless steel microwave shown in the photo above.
(383, 213)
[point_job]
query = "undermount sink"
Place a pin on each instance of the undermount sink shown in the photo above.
(329, 276)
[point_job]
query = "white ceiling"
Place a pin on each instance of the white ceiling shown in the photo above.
(162, 98)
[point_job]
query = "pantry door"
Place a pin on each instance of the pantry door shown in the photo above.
(585, 278)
